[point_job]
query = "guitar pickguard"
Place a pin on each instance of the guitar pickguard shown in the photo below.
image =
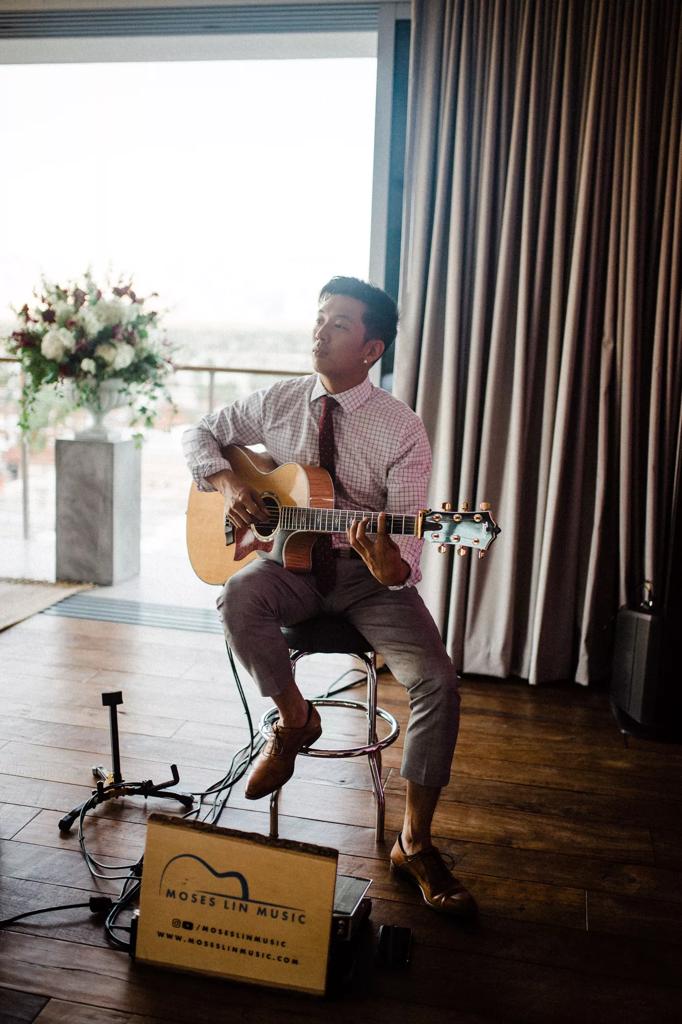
(288, 548)
(246, 544)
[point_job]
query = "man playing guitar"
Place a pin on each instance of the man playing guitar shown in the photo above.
(378, 455)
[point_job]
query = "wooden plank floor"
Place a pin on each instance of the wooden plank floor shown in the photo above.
(569, 836)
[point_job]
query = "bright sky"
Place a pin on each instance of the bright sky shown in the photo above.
(234, 189)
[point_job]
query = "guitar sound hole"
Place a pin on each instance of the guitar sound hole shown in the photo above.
(264, 530)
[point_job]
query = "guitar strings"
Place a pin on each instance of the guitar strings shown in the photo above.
(293, 516)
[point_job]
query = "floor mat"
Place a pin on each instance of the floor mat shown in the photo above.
(19, 599)
(138, 613)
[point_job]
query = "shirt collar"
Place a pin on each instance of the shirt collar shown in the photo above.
(348, 400)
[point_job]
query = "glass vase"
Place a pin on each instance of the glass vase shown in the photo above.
(111, 394)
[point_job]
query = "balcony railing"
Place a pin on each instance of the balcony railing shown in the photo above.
(212, 373)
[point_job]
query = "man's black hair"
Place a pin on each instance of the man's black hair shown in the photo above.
(381, 314)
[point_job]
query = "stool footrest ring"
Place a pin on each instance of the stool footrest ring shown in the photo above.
(270, 717)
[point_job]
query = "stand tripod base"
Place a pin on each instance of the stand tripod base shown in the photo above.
(111, 785)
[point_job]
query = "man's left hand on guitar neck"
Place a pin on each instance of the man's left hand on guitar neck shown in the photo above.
(380, 554)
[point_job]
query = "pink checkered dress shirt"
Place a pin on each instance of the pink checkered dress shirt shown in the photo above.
(383, 456)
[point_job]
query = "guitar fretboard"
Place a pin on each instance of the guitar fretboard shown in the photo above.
(335, 520)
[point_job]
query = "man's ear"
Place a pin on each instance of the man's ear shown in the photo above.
(375, 350)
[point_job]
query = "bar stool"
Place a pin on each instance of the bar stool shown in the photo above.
(332, 634)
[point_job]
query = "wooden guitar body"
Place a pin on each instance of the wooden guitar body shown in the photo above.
(214, 559)
(300, 504)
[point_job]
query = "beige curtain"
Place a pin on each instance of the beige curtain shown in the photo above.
(540, 290)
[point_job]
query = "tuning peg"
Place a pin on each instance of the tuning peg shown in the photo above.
(442, 548)
(464, 506)
(482, 554)
(447, 506)
(485, 506)
(462, 551)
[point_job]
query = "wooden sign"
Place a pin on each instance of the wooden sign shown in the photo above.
(236, 904)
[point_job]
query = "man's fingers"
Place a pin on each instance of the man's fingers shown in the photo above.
(237, 519)
(358, 538)
(356, 535)
(245, 514)
(246, 508)
(257, 512)
(251, 503)
(362, 532)
(261, 509)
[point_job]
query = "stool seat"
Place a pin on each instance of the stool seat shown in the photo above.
(325, 634)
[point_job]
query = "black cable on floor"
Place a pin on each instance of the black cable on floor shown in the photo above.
(96, 905)
(220, 791)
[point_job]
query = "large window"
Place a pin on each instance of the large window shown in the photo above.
(232, 188)
(230, 157)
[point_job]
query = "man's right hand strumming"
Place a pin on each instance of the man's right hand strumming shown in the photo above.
(243, 505)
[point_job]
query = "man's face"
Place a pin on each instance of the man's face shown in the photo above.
(341, 352)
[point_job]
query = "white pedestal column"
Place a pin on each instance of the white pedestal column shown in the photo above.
(98, 510)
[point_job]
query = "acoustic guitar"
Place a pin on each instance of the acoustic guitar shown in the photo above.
(300, 504)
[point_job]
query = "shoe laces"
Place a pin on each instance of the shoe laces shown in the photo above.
(275, 744)
(437, 871)
(448, 859)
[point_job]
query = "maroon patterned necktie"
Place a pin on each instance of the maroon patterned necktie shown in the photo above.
(324, 565)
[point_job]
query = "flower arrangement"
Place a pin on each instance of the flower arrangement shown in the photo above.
(85, 335)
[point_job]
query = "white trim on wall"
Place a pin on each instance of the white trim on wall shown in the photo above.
(88, 5)
(242, 46)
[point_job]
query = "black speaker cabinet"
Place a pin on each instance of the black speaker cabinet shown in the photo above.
(636, 681)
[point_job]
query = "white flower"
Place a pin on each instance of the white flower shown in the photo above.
(63, 311)
(131, 311)
(106, 351)
(110, 312)
(51, 346)
(88, 365)
(124, 356)
(56, 343)
(89, 321)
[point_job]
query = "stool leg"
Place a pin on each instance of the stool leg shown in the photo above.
(374, 759)
(375, 769)
(274, 814)
(371, 669)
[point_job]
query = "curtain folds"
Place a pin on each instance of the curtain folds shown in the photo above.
(541, 333)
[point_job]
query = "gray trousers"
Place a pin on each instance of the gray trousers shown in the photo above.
(263, 596)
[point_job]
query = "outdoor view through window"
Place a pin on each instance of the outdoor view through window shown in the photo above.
(233, 189)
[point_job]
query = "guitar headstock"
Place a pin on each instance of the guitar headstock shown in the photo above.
(462, 529)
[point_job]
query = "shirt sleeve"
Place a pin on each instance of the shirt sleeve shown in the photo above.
(239, 423)
(407, 483)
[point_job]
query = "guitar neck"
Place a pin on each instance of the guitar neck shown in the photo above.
(336, 520)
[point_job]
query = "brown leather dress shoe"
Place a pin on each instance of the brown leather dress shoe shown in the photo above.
(275, 765)
(438, 886)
